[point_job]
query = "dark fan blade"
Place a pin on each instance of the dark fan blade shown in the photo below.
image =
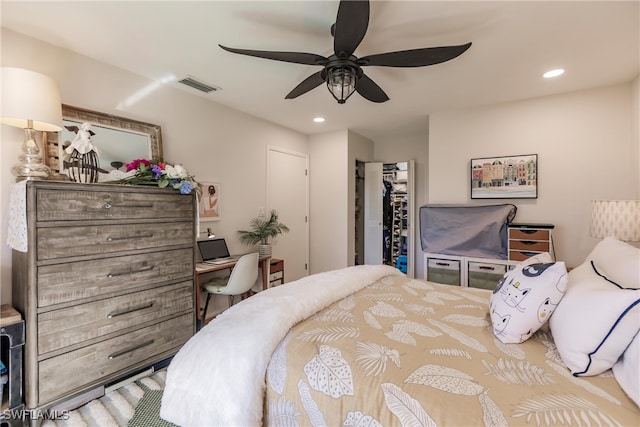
(311, 82)
(350, 27)
(368, 89)
(295, 57)
(415, 57)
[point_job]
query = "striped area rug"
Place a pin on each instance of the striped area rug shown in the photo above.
(135, 404)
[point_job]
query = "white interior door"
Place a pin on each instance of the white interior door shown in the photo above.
(288, 193)
(373, 189)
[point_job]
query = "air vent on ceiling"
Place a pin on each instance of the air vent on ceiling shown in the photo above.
(196, 84)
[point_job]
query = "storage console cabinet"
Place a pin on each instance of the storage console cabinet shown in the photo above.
(106, 287)
(524, 241)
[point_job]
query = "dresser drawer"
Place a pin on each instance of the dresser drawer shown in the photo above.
(62, 242)
(62, 283)
(64, 205)
(276, 275)
(72, 371)
(529, 245)
(521, 255)
(73, 325)
(526, 234)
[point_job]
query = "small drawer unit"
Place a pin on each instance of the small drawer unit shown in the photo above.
(527, 240)
(276, 272)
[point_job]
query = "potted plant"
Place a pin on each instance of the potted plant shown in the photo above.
(263, 230)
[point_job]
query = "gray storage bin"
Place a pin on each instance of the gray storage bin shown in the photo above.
(446, 271)
(485, 275)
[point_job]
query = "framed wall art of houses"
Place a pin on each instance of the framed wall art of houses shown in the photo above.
(505, 177)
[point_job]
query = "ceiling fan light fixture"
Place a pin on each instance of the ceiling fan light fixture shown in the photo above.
(341, 81)
(342, 70)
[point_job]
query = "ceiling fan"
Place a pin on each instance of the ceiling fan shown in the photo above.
(342, 71)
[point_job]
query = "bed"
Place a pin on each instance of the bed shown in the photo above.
(367, 346)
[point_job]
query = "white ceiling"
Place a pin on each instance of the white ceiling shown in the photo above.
(514, 42)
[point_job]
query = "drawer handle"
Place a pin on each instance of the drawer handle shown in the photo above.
(129, 350)
(528, 242)
(131, 310)
(137, 236)
(486, 267)
(124, 273)
(109, 205)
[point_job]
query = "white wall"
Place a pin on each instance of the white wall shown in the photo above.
(213, 142)
(635, 124)
(586, 150)
(328, 201)
(360, 148)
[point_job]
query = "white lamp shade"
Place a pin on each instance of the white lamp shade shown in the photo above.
(27, 95)
(618, 218)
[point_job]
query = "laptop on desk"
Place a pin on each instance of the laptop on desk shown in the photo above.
(214, 251)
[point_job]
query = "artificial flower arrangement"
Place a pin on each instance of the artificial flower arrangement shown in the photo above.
(153, 172)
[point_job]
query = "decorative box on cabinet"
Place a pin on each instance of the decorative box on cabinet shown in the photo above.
(527, 240)
(276, 272)
(465, 271)
(106, 287)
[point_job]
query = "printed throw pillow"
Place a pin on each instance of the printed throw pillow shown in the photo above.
(525, 298)
(595, 322)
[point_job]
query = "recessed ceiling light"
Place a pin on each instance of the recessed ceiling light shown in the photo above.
(318, 119)
(553, 73)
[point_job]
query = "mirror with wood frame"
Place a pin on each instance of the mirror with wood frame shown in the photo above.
(119, 140)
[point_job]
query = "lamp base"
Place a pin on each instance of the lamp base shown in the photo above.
(30, 166)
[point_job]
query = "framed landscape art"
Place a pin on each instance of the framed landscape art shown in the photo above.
(507, 177)
(209, 206)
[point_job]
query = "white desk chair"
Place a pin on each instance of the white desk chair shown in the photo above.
(242, 278)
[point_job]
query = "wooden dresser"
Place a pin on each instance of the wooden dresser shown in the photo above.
(106, 287)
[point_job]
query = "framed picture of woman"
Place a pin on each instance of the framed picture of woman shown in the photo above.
(209, 208)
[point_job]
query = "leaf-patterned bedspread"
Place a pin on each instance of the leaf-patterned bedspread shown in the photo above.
(405, 352)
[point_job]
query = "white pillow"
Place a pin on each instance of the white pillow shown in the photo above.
(595, 321)
(617, 260)
(525, 298)
(627, 370)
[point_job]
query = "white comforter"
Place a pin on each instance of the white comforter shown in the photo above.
(218, 377)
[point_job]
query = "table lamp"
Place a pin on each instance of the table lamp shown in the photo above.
(30, 101)
(618, 218)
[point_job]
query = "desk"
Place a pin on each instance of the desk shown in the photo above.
(202, 268)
